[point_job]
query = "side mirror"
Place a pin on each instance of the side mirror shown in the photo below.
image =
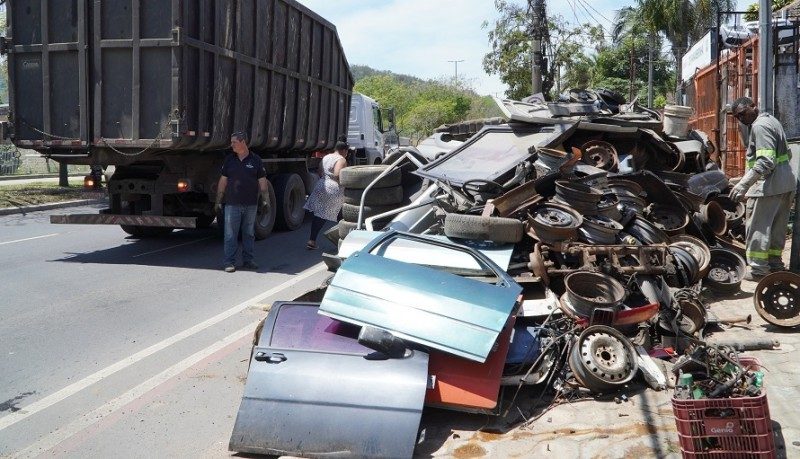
(382, 341)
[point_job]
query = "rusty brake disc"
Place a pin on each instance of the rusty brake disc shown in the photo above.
(777, 299)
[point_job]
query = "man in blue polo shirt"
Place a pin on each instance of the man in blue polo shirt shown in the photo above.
(242, 187)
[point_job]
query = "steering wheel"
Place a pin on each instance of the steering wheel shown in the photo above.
(472, 187)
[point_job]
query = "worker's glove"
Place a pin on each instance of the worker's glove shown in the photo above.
(263, 202)
(738, 192)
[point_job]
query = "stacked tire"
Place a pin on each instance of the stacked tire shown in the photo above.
(385, 195)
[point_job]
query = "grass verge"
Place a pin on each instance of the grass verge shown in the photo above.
(40, 193)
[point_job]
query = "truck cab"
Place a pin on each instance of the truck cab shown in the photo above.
(371, 130)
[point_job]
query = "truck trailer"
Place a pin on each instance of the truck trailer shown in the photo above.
(157, 88)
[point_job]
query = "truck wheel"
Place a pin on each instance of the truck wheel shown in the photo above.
(265, 218)
(146, 231)
(494, 229)
(290, 196)
(362, 176)
(375, 197)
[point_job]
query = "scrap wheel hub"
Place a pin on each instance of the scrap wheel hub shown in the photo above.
(720, 273)
(605, 356)
(603, 359)
(667, 219)
(555, 218)
(600, 156)
(777, 299)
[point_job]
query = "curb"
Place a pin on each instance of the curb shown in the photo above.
(49, 206)
(12, 178)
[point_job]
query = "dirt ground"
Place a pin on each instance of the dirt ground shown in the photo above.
(639, 425)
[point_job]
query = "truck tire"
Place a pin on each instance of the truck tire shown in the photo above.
(265, 218)
(350, 211)
(495, 229)
(362, 176)
(290, 196)
(375, 197)
(146, 231)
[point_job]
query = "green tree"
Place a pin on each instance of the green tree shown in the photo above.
(510, 55)
(681, 22)
(423, 105)
(752, 9)
(387, 90)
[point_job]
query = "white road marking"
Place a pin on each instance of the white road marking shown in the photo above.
(29, 238)
(110, 407)
(50, 400)
(172, 247)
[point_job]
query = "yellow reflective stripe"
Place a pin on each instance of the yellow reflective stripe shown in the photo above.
(758, 255)
(775, 252)
(780, 159)
(768, 152)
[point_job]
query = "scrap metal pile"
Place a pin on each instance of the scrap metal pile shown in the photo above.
(560, 252)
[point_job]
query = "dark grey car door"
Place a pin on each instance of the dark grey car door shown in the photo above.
(313, 391)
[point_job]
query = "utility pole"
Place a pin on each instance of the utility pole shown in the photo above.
(650, 71)
(631, 72)
(538, 15)
(456, 62)
(765, 70)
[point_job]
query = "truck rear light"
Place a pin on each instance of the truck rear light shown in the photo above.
(88, 182)
(183, 185)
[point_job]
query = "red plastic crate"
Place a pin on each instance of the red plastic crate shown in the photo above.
(725, 427)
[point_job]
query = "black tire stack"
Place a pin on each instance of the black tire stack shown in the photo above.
(385, 195)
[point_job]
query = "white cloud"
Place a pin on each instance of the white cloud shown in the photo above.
(415, 37)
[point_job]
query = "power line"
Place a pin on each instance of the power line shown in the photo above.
(593, 8)
(574, 13)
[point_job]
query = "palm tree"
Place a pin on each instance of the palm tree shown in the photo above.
(682, 22)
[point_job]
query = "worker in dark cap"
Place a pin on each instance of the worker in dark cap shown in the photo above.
(768, 184)
(325, 201)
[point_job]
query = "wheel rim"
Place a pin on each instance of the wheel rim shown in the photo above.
(777, 299)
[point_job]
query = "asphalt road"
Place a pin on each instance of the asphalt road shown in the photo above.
(117, 347)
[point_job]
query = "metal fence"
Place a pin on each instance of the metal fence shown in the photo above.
(9, 162)
(734, 75)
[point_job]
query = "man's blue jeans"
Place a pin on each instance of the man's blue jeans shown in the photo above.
(238, 218)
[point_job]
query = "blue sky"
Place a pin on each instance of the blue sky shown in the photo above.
(419, 37)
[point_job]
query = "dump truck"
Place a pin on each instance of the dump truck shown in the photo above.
(157, 88)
